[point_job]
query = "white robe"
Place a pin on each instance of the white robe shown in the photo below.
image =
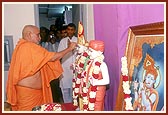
(67, 61)
(51, 47)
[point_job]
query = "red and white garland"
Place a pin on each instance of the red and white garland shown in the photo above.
(125, 85)
(94, 74)
(79, 79)
(51, 107)
(80, 84)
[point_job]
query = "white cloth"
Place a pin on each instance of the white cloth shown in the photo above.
(105, 74)
(51, 47)
(67, 95)
(67, 61)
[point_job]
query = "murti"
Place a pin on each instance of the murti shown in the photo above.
(82, 88)
(79, 73)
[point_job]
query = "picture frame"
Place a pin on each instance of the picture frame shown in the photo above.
(144, 40)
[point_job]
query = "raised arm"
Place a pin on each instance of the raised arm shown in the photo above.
(59, 55)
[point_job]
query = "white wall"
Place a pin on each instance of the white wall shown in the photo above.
(88, 21)
(15, 17)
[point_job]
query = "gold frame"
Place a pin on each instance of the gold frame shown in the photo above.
(151, 35)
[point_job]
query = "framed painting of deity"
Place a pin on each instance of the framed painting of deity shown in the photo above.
(145, 59)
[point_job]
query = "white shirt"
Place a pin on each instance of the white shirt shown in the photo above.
(52, 47)
(67, 61)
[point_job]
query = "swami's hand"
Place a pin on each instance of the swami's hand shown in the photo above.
(72, 45)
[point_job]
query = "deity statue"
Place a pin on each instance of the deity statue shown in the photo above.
(90, 74)
(97, 76)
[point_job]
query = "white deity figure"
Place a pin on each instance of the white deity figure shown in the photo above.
(97, 76)
(146, 98)
(90, 74)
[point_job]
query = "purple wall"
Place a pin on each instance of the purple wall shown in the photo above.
(111, 26)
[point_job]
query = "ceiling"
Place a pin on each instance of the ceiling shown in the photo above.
(53, 10)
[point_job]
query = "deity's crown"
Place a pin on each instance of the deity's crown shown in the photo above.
(97, 45)
(81, 39)
(149, 66)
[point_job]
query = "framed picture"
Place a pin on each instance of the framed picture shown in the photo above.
(145, 63)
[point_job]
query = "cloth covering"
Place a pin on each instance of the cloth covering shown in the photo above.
(35, 99)
(27, 59)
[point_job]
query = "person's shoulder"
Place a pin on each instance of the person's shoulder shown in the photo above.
(74, 37)
(30, 45)
(63, 39)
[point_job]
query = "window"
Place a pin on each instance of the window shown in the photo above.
(8, 49)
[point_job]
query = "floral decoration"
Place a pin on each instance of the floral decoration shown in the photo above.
(80, 84)
(94, 74)
(79, 79)
(126, 85)
(51, 107)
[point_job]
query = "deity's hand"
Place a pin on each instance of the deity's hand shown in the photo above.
(136, 85)
(141, 86)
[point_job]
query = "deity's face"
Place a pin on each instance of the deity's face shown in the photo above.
(94, 54)
(149, 81)
(81, 48)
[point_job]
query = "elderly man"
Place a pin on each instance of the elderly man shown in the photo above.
(31, 70)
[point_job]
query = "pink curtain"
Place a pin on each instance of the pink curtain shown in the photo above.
(111, 26)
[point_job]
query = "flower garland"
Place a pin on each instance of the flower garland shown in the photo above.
(79, 79)
(125, 85)
(80, 85)
(94, 75)
(51, 107)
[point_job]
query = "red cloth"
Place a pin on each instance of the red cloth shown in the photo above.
(69, 107)
(55, 107)
(97, 45)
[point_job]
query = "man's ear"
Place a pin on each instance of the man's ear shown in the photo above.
(29, 35)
